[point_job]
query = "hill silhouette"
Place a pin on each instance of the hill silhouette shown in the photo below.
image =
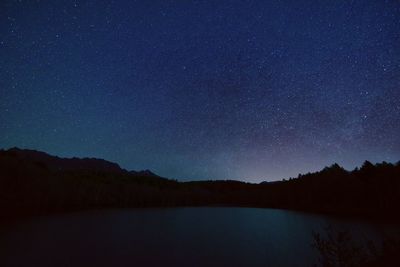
(54, 163)
(34, 182)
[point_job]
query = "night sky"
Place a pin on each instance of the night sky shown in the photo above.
(247, 90)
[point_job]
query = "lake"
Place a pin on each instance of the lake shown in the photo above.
(171, 237)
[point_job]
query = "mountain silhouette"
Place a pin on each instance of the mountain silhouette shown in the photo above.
(34, 182)
(144, 173)
(55, 163)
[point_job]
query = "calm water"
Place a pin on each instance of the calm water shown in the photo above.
(170, 237)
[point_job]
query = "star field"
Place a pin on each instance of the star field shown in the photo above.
(248, 90)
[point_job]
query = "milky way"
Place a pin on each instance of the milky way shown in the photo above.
(249, 90)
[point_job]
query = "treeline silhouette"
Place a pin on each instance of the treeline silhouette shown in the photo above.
(33, 182)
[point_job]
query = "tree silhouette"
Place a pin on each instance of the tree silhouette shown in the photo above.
(337, 248)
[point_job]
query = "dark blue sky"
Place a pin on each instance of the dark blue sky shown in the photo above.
(249, 90)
